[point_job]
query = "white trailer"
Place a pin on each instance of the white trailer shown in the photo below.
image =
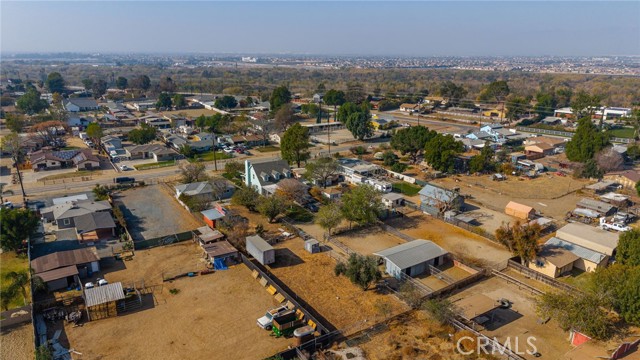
(261, 250)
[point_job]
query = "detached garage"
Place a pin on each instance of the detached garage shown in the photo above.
(412, 258)
(519, 211)
(261, 250)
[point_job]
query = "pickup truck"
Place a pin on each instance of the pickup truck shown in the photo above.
(606, 225)
(266, 322)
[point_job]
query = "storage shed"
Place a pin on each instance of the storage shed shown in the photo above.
(101, 301)
(519, 211)
(261, 250)
(603, 208)
(412, 258)
(312, 246)
(221, 251)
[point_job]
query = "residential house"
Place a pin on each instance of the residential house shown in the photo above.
(80, 104)
(553, 120)
(324, 127)
(627, 178)
(412, 258)
(247, 140)
(156, 152)
(144, 105)
(82, 159)
(62, 269)
(539, 149)
(111, 143)
(206, 191)
(554, 260)
(410, 108)
(332, 193)
(586, 259)
(555, 142)
(392, 200)
(264, 176)
(436, 200)
(317, 97)
(577, 246)
(64, 214)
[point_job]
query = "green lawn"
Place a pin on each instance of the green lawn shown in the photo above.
(625, 132)
(10, 262)
(406, 188)
(208, 156)
(154, 165)
(269, 148)
(577, 278)
(71, 174)
(298, 213)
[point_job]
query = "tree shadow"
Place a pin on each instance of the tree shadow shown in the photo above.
(500, 317)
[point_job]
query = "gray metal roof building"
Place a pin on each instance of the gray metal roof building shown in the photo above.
(103, 294)
(412, 258)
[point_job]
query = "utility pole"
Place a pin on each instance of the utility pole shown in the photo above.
(213, 148)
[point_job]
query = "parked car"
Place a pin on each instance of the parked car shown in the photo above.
(124, 180)
(125, 168)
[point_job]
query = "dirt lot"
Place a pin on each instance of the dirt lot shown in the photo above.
(413, 337)
(520, 321)
(370, 240)
(211, 314)
(152, 211)
(336, 298)
(460, 242)
(17, 344)
(548, 194)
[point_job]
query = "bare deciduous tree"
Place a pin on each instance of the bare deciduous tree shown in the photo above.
(292, 190)
(609, 160)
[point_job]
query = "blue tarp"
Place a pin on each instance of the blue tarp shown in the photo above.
(218, 264)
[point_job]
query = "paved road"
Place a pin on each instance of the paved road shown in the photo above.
(38, 188)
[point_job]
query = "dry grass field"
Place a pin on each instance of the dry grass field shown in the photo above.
(211, 316)
(413, 337)
(17, 343)
(470, 247)
(336, 298)
(550, 194)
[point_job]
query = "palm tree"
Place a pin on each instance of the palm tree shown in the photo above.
(37, 284)
(19, 279)
(6, 296)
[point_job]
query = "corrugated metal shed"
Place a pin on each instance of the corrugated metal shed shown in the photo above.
(579, 251)
(412, 253)
(103, 294)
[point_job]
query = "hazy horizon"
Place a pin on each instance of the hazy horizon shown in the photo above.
(419, 29)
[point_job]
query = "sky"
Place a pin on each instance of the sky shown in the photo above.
(425, 28)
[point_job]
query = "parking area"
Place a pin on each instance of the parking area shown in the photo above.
(206, 316)
(152, 211)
